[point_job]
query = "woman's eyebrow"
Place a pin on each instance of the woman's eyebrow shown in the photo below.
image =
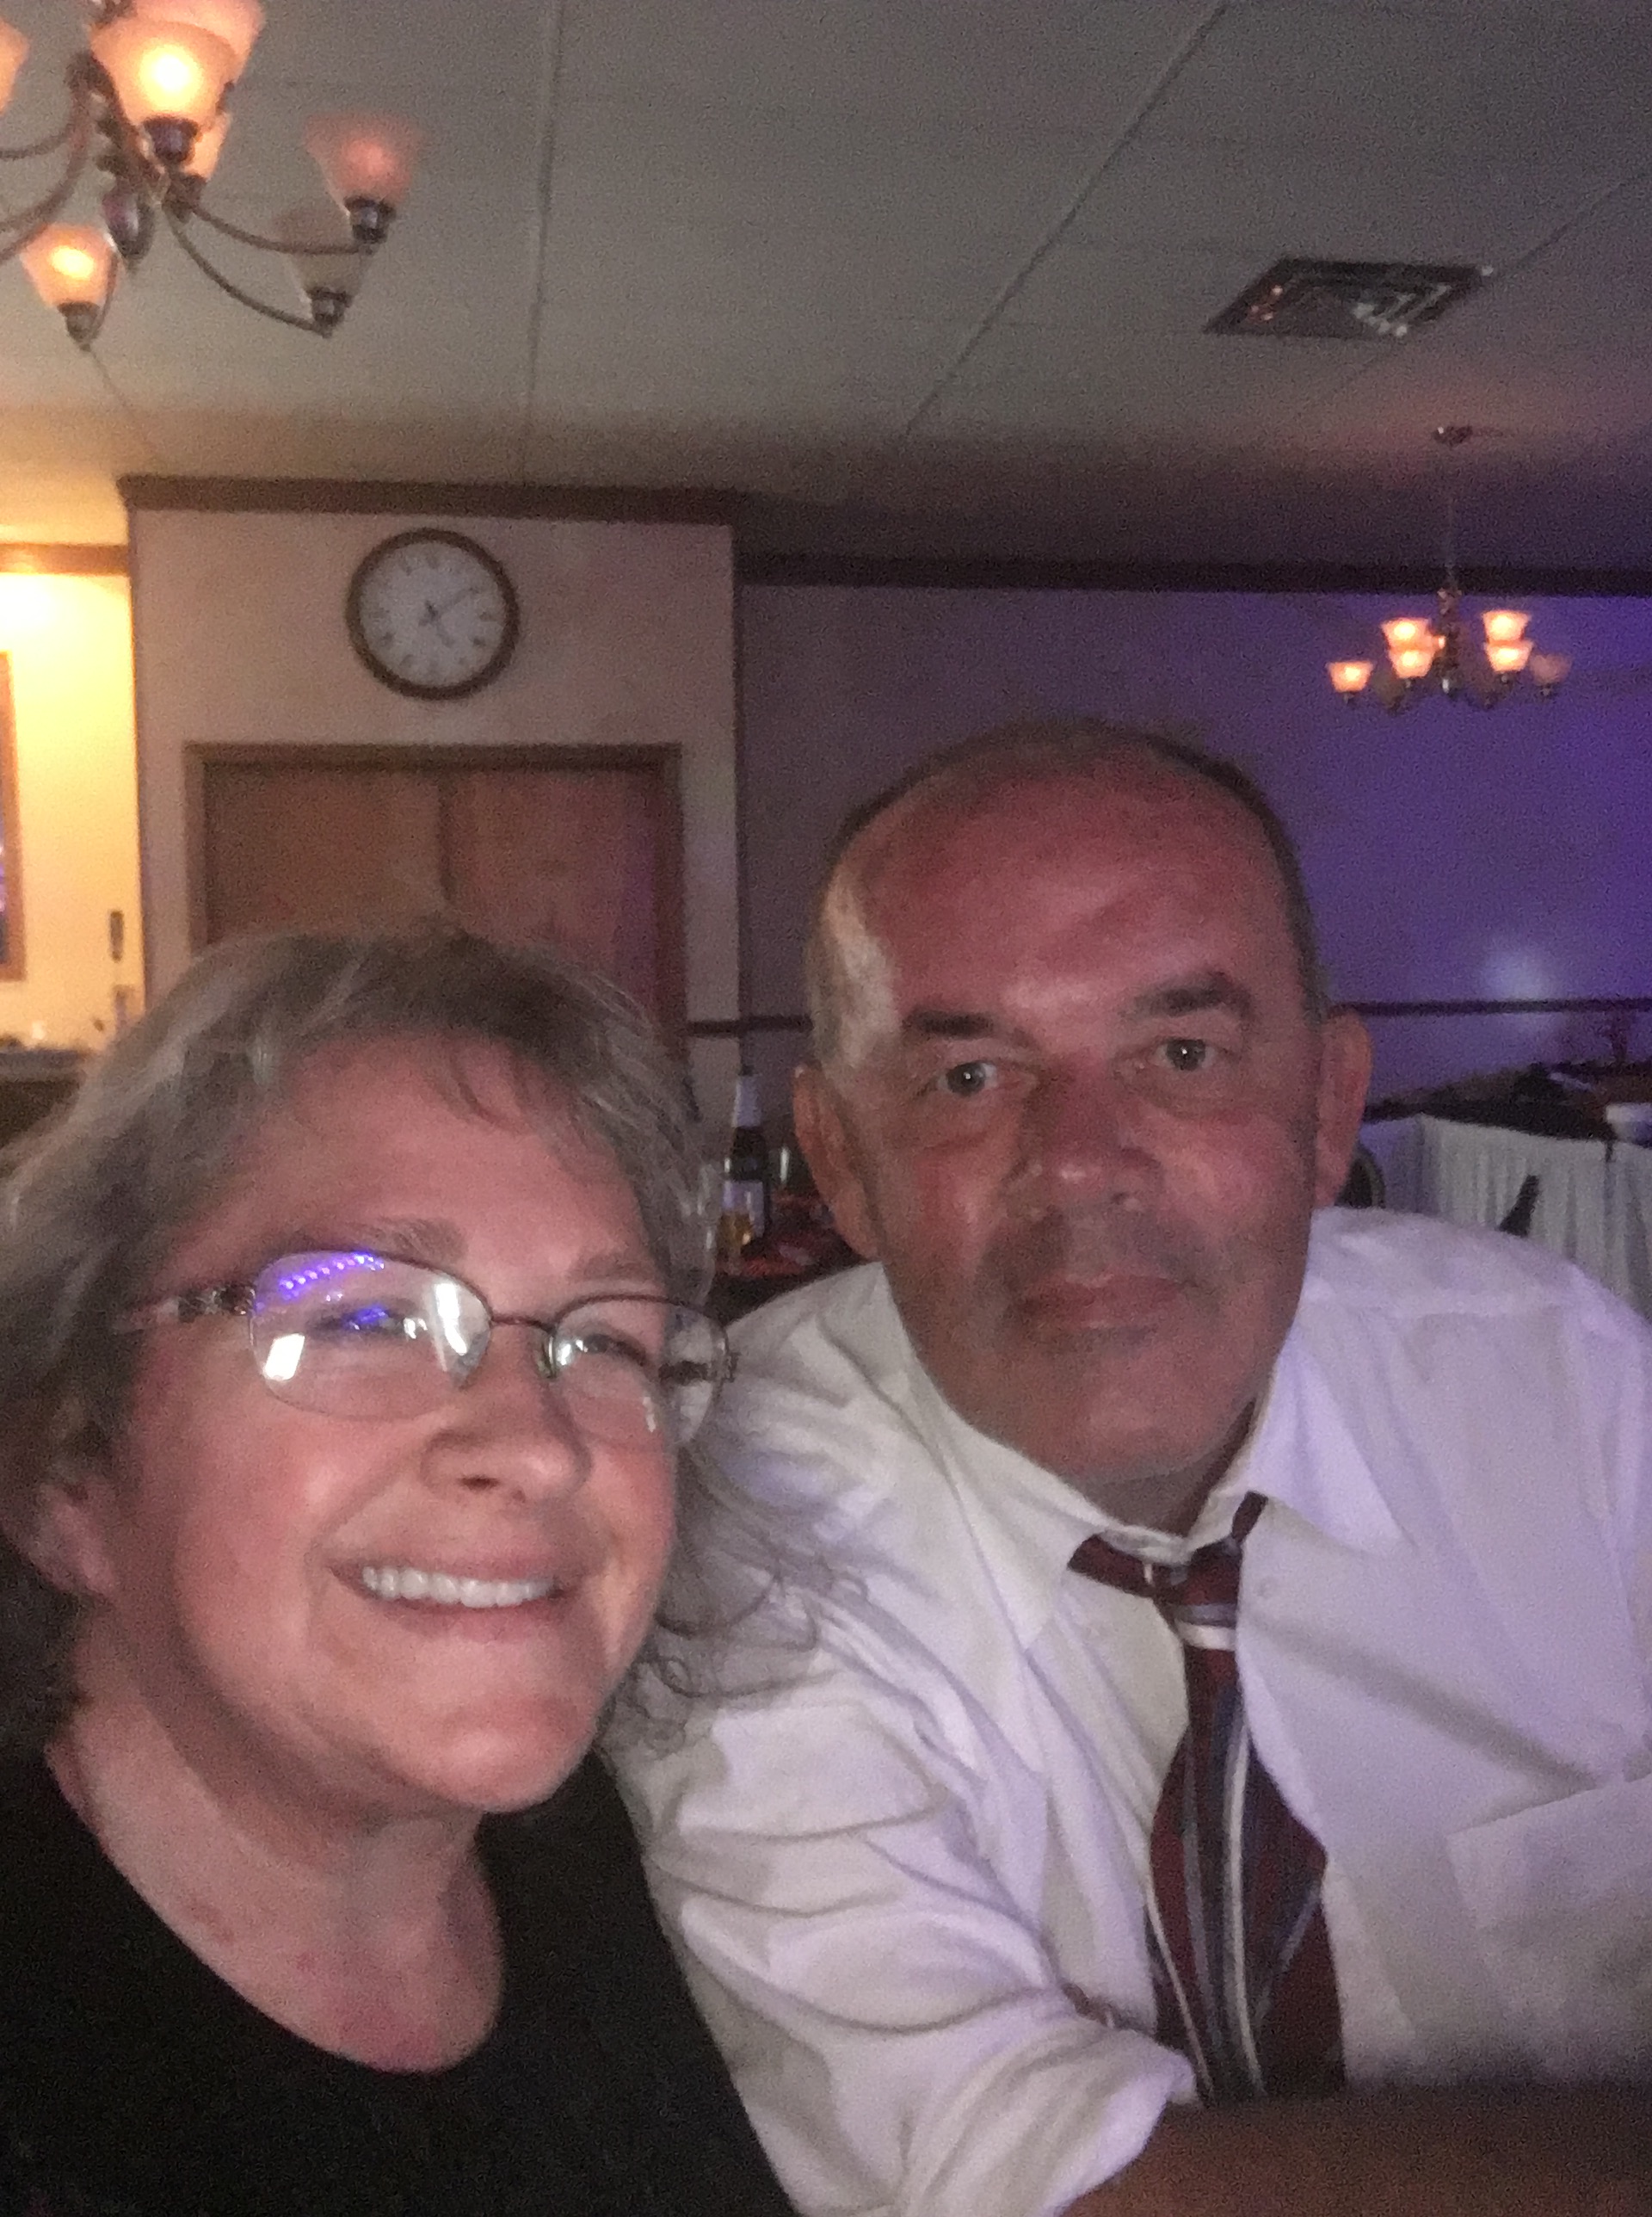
(428, 1239)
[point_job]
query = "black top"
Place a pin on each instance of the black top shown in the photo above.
(135, 2083)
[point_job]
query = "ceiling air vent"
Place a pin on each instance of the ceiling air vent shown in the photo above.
(1346, 299)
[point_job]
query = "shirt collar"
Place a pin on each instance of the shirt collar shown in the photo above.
(1300, 1453)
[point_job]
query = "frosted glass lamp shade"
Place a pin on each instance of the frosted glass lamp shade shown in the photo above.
(1508, 657)
(365, 158)
(1503, 625)
(320, 223)
(14, 47)
(164, 72)
(1549, 670)
(238, 22)
(1349, 677)
(1405, 631)
(1413, 661)
(209, 145)
(68, 264)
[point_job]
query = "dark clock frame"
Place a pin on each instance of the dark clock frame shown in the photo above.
(424, 537)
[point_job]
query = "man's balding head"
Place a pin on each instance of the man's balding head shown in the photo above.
(843, 968)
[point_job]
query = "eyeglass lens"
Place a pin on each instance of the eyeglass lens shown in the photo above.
(353, 1333)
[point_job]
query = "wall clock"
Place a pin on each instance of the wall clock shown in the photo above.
(432, 615)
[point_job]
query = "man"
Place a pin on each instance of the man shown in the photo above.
(968, 1879)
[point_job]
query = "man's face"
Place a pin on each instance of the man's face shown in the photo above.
(1083, 1117)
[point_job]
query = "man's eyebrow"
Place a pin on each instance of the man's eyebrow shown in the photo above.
(1195, 997)
(922, 1023)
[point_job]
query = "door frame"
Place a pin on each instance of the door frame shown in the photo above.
(662, 763)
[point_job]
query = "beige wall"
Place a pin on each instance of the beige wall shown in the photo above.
(627, 640)
(70, 641)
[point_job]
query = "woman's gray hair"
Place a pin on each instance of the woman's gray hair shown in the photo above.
(92, 1204)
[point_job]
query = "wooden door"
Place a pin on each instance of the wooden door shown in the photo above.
(538, 846)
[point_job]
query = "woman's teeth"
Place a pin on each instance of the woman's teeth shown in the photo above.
(454, 1593)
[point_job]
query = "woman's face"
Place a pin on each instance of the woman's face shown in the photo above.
(233, 1542)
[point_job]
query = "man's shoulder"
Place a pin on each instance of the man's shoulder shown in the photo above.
(1370, 1263)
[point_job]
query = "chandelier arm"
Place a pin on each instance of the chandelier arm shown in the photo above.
(19, 230)
(176, 225)
(272, 245)
(77, 121)
(39, 146)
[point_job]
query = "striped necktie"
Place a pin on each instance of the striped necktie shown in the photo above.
(1236, 1930)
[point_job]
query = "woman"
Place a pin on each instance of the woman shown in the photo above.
(343, 1368)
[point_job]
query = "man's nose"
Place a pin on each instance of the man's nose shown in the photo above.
(1087, 1132)
(510, 1427)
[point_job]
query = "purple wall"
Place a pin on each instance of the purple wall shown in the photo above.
(1452, 854)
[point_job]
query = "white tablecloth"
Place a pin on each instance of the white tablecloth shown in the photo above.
(1595, 1197)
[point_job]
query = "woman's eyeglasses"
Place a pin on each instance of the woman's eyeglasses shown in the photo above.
(348, 1333)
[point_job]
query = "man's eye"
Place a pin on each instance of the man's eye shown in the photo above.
(1187, 1054)
(965, 1079)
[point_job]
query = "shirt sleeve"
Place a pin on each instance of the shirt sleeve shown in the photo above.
(893, 2022)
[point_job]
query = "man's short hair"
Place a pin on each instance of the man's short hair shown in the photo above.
(1033, 753)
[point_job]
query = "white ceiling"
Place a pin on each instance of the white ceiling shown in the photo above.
(916, 276)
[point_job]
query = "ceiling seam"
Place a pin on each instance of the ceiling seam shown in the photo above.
(1184, 55)
(545, 135)
(1389, 358)
(152, 452)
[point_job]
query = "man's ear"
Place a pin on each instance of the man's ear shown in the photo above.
(1344, 1082)
(823, 1133)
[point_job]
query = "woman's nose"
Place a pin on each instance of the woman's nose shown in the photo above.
(509, 1425)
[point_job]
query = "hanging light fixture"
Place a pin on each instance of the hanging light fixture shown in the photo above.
(147, 108)
(1440, 654)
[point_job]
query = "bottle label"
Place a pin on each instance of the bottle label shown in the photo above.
(745, 1215)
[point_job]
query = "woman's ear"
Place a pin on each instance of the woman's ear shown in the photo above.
(61, 1528)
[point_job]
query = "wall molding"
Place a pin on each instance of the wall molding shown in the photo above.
(971, 576)
(35, 557)
(410, 496)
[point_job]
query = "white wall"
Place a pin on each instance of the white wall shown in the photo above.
(626, 640)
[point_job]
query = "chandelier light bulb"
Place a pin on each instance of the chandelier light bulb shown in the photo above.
(1349, 678)
(238, 22)
(365, 158)
(1508, 657)
(14, 48)
(1409, 632)
(68, 264)
(168, 76)
(1413, 661)
(1504, 625)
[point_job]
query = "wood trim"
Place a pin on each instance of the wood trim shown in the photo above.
(665, 762)
(353, 496)
(948, 576)
(39, 558)
(13, 966)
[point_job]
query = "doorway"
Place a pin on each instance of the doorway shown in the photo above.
(579, 848)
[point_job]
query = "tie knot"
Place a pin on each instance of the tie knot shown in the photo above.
(1198, 1599)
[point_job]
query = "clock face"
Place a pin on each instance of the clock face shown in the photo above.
(432, 615)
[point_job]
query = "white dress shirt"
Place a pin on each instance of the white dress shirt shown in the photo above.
(906, 1864)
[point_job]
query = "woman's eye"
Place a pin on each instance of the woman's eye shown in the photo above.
(608, 1346)
(1187, 1054)
(965, 1079)
(373, 1320)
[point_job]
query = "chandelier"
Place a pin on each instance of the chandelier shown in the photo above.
(147, 110)
(1439, 656)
